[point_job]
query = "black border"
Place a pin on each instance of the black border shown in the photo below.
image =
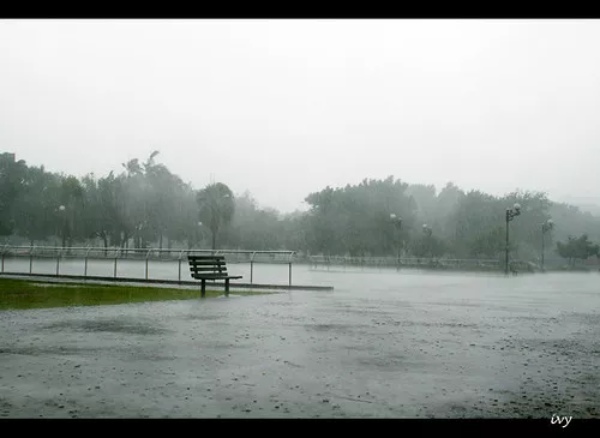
(398, 427)
(273, 10)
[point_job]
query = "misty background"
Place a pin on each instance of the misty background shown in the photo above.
(280, 111)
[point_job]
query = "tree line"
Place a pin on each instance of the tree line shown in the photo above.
(146, 205)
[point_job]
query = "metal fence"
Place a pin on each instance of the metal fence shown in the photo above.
(117, 254)
(321, 261)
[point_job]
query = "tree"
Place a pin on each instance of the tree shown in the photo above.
(428, 246)
(474, 218)
(425, 200)
(446, 205)
(183, 224)
(253, 227)
(577, 248)
(71, 195)
(12, 177)
(36, 211)
(295, 232)
(489, 244)
(164, 190)
(356, 220)
(133, 204)
(216, 208)
(103, 217)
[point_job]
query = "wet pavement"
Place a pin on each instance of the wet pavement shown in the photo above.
(383, 344)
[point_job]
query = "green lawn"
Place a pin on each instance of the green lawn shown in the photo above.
(26, 294)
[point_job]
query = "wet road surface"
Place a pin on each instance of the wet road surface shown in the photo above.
(381, 345)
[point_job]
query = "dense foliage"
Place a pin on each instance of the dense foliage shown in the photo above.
(148, 206)
(577, 248)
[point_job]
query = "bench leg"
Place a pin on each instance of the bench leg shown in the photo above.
(203, 293)
(227, 287)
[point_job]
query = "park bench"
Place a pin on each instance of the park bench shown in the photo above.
(209, 267)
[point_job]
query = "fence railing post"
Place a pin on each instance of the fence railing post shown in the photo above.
(3, 255)
(252, 266)
(31, 259)
(117, 251)
(179, 273)
(147, 256)
(58, 263)
(290, 261)
(85, 269)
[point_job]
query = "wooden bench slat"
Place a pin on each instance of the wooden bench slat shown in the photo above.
(207, 268)
(200, 274)
(208, 275)
(206, 257)
(206, 262)
(220, 258)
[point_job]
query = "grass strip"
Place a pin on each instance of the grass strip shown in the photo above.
(26, 294)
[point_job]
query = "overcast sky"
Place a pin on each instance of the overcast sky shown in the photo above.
(283, 108)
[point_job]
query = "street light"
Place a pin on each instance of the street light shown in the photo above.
(427, 230)
(397, 222)
(62, 209)
(200, 224)
(510, 214)
(546, 226)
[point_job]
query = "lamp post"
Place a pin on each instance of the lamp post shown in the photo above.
(397, 223)
(546, 226)
(510, 214)
(427, 230)
(62, 210)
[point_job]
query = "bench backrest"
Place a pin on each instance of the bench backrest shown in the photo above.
(207, 265)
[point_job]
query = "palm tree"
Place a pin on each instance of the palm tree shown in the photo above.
(216, 206)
